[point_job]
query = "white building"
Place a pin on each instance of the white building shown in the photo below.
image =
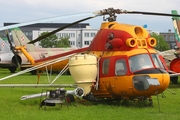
(78, 37)
(80, 34)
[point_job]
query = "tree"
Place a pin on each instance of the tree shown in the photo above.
(63, 42)
(161, 45)
(53, 41)
(48, 42)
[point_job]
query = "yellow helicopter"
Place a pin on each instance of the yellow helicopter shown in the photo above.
(120, 63)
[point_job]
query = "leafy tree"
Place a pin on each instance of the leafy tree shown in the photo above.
(53, 41)
(161, 45)
(48, 42)
(63, 42)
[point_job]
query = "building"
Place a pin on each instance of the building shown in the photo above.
(78, 37)
(170, 38)
(80, 34)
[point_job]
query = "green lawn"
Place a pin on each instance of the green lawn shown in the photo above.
(12, 108)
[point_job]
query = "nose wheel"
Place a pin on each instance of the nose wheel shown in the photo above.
(12, 69)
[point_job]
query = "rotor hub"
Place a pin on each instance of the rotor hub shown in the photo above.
(112, 13)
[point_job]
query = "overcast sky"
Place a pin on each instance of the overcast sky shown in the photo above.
(27, 10)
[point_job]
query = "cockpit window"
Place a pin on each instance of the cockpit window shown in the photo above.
(141, 61)
(120, 67)
(157, 61)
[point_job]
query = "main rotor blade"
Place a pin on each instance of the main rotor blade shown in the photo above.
(59, 29)
(151, 13)
(12, 49)
(42, 20)
(8, 38)
(80, 14)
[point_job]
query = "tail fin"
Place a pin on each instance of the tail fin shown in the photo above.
(4, 45)
(20, 39)
(176, 24)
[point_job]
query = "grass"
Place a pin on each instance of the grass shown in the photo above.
(12, 108)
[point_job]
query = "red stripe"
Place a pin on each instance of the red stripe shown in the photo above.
(62, 55)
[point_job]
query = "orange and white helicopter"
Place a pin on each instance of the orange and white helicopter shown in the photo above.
(120, 63)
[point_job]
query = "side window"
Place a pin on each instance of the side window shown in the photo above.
(105, 66)
(120, 67)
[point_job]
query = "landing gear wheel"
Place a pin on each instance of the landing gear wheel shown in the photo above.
(12, 69)
(34, 72)
(174, 80)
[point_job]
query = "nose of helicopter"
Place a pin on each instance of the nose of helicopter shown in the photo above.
(151, 84)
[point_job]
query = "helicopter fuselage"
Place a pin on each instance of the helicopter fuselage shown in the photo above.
(128, 65)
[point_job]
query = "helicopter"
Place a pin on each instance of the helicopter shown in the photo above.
(120, 63)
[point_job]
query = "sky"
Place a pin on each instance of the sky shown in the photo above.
(17, 11)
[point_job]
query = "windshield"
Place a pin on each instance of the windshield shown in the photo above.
(139, 62)
(157, 61)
